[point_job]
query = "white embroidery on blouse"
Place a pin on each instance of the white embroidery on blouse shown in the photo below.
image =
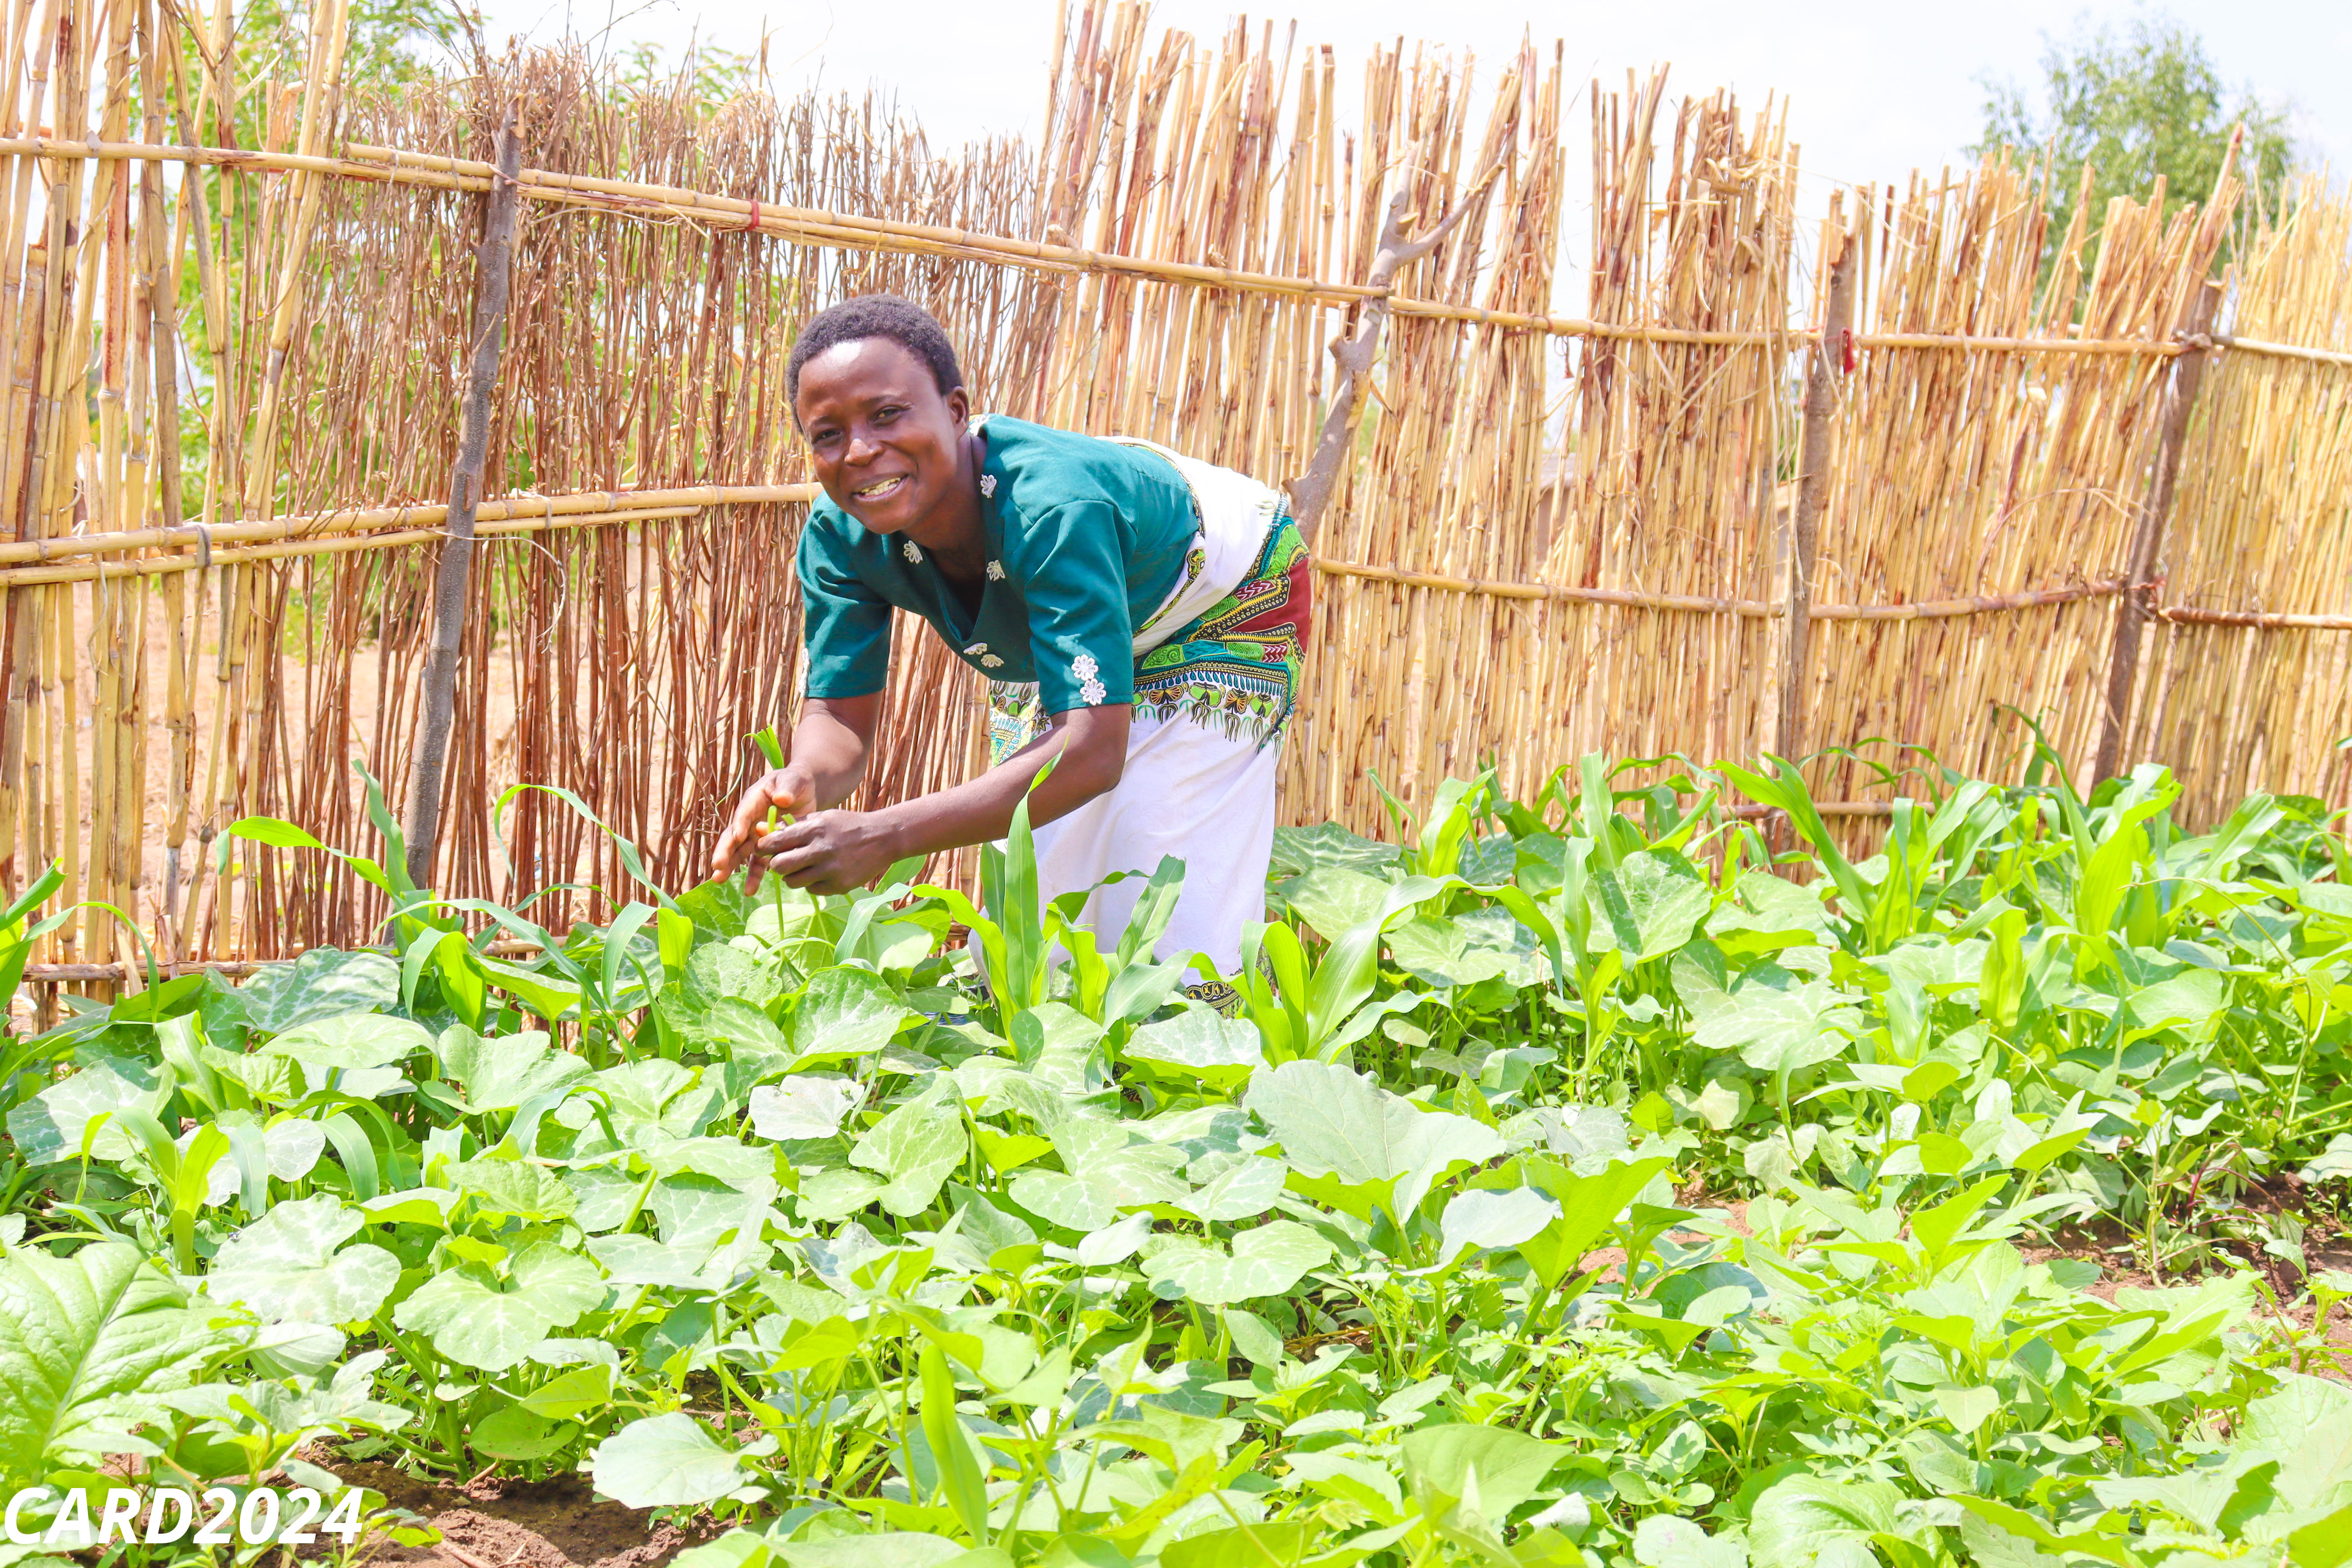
(1090, 690)
(991, 661)
(987, 485)
(975, 650)
(912, 551)
(996, 571)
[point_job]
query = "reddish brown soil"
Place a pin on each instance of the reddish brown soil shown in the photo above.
(495, 1523)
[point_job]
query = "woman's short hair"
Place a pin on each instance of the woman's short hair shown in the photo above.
(902, 320)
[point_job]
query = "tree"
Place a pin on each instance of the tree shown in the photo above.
(2135, 103)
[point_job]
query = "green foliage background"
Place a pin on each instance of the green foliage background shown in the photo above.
(2138, 102)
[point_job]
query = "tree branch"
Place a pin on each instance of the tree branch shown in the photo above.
(1355, 351)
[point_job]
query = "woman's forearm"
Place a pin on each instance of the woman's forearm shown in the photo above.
(1088, 747)
(829, 750)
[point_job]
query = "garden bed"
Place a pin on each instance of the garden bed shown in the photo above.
(1570, 1183)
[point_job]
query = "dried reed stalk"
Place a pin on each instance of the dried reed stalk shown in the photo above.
(2244, 686)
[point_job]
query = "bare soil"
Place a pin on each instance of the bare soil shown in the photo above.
(491, 1522)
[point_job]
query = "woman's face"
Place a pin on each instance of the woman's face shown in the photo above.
(887, 445)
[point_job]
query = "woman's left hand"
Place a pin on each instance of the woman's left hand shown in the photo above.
(832, 851)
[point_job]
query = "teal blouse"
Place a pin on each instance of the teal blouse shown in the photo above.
(1086, 540)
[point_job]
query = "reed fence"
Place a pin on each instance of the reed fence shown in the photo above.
(1808, 484)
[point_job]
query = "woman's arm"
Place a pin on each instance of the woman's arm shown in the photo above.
(833, 851)
(830, 746)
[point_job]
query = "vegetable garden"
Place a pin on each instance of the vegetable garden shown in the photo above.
(1574, 1184)
(1829, 1162)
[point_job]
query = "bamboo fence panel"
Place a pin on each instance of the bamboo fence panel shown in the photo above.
(2263, 526)
(231, 419)
(1666, 475)
(1988, 472)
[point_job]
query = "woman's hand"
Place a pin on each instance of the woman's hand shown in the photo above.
(830, 852)
(788, 792)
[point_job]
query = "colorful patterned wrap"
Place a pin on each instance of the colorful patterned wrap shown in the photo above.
(1233, 667)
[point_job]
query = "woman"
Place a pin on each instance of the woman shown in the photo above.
(1151, 608)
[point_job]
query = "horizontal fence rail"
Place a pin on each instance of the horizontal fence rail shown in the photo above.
(391, 166)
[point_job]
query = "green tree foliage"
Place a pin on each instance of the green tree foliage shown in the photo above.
(392, 43)
(2137, 103)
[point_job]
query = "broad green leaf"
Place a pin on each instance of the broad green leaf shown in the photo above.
(2191, 1001)
(321, 984)
(1248, 1546)
(1334, 1122)
(352, 1040)
(696, 1208)
(517, 1432)
(1966, 1408)
(805, 1105)
(53, 1124)
(83, 1341)
(1267, 1260)
(478, 1320)
(914, 1147)
(1481, 1218)
(291, 1263)
(1781, 1030)
(1500, 1467)
(2322, 1543)
(1469, 948)
(289, 1152)
(844, 1013)
(2332, 1163)
(1104, 1176)
(1662, 1541)
(500, 1072)
(1807, 1519)
(1763, 907)
(838, 1194)
(2307, 1424)
(665, 1461)
(1664, 899)
(652, 1096)
(1589, 1208)
(1936, 1227)
(1335, 899)
(516, 1187)
(1198, 1045)
(633, 1259)
(571, 1394)
(1298, 851)
(1244, 1189)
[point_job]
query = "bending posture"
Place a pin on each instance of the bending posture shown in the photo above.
(1141, 616)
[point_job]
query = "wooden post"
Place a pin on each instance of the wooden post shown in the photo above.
(1814, 453)
(2135, 606)
(437, 707)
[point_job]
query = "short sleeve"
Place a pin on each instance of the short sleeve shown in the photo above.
(1073, 573)
(847, 624)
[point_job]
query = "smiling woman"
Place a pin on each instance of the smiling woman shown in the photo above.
(1141, 616)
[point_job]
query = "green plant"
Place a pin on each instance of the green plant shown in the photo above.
(1573, 1187)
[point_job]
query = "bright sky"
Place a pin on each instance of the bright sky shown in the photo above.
(1877, 86)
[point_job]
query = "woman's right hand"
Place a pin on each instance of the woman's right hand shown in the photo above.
(787, 791)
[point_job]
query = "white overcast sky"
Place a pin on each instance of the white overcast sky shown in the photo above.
(1877, 87)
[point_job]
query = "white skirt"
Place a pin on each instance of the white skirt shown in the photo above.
(1190, 790)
